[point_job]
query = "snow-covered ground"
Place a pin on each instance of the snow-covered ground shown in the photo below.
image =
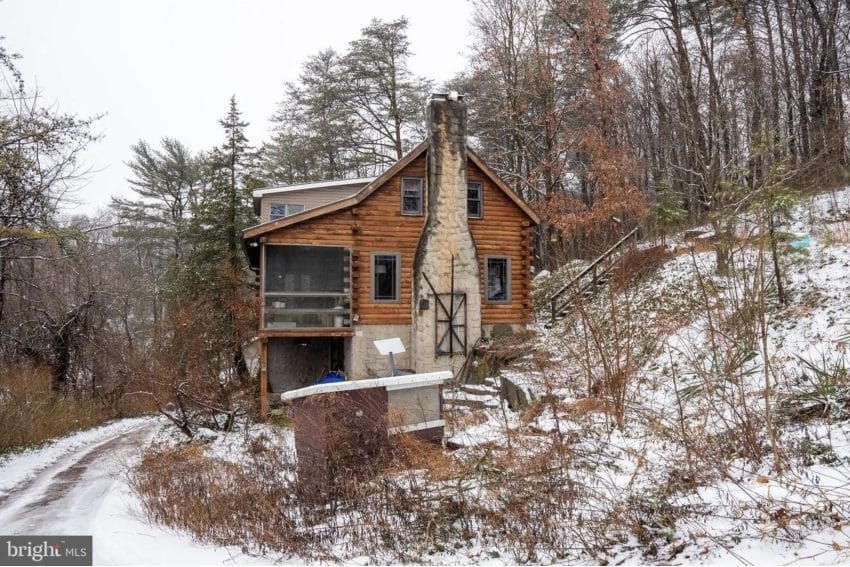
(697, 383)
(77, 485)
(691, 474)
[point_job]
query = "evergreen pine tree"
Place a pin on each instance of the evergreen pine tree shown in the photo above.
(214, 277)
(387, 100)
(315, 136)
(166, 182)
(666, 213)
(225, 209)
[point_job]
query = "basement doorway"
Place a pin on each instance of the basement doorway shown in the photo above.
(297, 362)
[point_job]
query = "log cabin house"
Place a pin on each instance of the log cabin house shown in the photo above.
(435, 251)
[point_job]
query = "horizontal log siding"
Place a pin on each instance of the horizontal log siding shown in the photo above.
(378, 226)
(501, 232)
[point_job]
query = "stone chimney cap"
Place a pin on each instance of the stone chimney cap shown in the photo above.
(451, 95)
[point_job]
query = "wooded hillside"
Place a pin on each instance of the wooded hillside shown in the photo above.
(602, 115)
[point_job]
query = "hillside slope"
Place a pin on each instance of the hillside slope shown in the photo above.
(682, 418)
(705, 422)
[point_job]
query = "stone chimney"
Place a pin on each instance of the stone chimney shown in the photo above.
(446, 273)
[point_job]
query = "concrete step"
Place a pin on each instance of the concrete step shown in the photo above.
(458, 403)
(457, 410)
(479, 389)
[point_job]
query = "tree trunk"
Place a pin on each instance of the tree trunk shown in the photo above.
(3, 278)
(756, 137)
(802, 107)
(773, 125)
(774, 253)
(790, 128)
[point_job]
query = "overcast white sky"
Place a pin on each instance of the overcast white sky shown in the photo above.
(167, 68)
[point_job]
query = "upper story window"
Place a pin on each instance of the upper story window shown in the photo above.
(497, 275)
(474, 200)
(280, 210)
(386, 280)
(411, 196)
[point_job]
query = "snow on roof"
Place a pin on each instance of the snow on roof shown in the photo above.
(359, 181)
(392, 383)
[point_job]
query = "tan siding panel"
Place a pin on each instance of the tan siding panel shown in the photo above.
(310, 198)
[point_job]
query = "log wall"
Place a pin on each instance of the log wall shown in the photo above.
(503, 230)
(377, 225)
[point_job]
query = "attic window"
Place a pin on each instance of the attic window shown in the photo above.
(474, 209)
(411, 196)
(280, 210)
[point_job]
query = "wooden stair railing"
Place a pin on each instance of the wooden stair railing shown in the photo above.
(594, 275)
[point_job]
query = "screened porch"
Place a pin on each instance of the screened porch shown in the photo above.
(306, 286)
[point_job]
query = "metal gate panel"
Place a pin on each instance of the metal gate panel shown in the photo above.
(450, 328)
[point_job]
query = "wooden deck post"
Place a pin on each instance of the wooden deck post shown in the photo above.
(264, 378)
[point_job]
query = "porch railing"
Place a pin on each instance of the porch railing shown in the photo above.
(287, 310)
(592, 276)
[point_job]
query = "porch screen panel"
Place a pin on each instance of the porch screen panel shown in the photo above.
(304, 269)
(307, 286)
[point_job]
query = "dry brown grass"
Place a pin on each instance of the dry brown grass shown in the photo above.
(586, 406)
(415, 453)
(424, 500)
(575, 410)
(261, 505)
(639, 264)
(835, 233)
(31, 412)
(216, 500)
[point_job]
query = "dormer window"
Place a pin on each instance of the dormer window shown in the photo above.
(411, 196)
(474, 208)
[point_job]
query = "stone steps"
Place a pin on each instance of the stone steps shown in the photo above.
(478, 389)
(465, 397)
(471, 404)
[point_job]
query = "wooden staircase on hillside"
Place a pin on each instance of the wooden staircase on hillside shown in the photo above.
(589, 280)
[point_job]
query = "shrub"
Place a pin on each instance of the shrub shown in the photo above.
(32, 412)
(639, 264)
(418, 502)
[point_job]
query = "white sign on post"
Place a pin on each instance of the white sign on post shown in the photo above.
(390, 347)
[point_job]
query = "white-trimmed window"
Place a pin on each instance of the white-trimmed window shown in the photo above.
(474, 200)
(411, 196)
(497, 278)
(386, 277)
(281, 210)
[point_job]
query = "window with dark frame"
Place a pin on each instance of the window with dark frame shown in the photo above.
(473, 200)
(281, 210)
(411, 196)
(498, 278)
(385, 277)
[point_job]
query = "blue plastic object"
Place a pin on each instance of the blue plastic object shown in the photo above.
(330, 377)
(800, 243)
